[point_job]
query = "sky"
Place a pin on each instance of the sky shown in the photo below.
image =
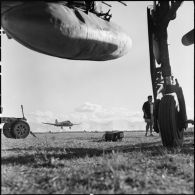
(106, 95)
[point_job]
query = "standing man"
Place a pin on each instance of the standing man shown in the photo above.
(148, 108)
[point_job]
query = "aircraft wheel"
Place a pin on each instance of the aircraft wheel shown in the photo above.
(182, 105)
(168, 118)
(20, 129)
(7, 130)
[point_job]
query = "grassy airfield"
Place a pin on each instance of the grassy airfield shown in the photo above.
(80, 162)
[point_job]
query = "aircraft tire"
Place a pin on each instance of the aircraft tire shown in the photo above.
(170, 131)
(20, 129)
(7, 130)
(182, 105)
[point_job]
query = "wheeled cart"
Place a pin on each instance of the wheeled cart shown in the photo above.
(15, 128)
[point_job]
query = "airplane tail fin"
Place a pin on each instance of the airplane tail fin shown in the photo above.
(56, 121)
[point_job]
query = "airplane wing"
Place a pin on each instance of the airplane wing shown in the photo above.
(76, 124)
(50, 124)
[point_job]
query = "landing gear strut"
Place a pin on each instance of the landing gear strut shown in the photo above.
(170, 111)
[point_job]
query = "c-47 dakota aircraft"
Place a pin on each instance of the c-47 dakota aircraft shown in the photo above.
(62, 124)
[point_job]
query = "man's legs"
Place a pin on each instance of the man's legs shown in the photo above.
(151, 125)
(147, 128)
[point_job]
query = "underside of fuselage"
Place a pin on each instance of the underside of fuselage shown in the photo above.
(55, 29)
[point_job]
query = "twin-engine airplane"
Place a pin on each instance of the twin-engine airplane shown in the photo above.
(62, 124)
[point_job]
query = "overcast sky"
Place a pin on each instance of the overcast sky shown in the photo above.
(104, 95)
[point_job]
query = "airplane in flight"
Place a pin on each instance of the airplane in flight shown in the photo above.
(62, 124)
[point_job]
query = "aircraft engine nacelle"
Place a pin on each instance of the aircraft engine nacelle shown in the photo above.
(57, 30)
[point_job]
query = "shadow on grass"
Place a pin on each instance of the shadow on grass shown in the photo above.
(44, 155)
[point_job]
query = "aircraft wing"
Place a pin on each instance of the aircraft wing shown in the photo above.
(76, 124)
(50, 124)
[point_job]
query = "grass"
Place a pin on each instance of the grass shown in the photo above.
(81, 163)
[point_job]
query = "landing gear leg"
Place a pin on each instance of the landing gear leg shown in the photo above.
(170, 111)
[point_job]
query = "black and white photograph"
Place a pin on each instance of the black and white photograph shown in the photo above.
(97, 97)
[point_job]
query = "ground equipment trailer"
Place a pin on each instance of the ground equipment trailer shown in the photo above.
(170, 118)
(113, 136)
(16, 128)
